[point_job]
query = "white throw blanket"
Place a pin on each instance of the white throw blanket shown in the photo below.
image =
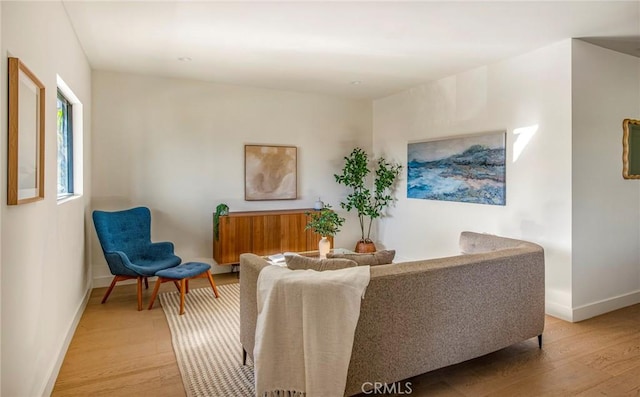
(305, 329)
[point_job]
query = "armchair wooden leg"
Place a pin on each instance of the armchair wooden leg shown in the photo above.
(186, 283)
(146, 283)
(113, 284)
(122, 278)
(139, 293)
(159, 281)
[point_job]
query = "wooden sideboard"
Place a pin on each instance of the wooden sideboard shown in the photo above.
(263, 233)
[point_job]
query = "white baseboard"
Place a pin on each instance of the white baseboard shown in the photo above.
(590, 310)
(605, 306)
(558, 303)
(559, 311)
(55, 370)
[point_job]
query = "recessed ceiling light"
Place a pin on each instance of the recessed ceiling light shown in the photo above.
(184, 59)
(356, 82)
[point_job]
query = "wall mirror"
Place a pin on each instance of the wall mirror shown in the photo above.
(26, 135)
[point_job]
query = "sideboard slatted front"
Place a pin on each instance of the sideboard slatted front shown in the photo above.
(263, 233)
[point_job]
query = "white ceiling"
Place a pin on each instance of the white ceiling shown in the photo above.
(323, 47)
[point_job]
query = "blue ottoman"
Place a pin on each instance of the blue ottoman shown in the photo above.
(183, 274)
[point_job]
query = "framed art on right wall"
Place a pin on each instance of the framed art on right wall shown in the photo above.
(631, 149)
(468, 169)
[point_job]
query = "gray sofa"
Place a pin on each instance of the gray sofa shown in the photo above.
(423, 315)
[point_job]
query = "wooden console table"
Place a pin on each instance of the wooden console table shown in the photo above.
(263, 233)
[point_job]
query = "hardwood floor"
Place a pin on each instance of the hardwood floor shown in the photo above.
(596, 357)
(118, 351)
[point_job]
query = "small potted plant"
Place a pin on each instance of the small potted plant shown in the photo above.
(325, 222)
(221, 210)
(369, 204)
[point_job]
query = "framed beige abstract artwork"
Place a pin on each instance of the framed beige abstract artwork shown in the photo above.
(270, 172)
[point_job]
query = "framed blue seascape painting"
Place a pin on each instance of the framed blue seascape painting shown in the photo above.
(469, 169)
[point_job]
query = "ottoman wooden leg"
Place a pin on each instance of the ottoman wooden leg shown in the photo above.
(183, 283)
(213, 284)
(180, 276)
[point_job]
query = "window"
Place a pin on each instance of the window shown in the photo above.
(70, 143)
(65, 147)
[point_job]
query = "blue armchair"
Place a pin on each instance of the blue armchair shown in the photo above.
(125, 237)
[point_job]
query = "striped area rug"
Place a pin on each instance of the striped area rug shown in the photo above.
(207, 343)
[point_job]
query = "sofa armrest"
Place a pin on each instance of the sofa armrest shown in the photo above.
(479, 243)
(250, 267)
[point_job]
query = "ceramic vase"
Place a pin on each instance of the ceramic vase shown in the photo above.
(324, 245)
(318, 205)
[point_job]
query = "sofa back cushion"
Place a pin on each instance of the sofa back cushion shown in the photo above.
(299, 262)
(383, 257)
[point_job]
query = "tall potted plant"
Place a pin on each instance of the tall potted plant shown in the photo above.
(369, 204)
(326, 223)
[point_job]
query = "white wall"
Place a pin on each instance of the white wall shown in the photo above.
(177, 146)
(44, 277)
(529, 90)
(606, 234)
